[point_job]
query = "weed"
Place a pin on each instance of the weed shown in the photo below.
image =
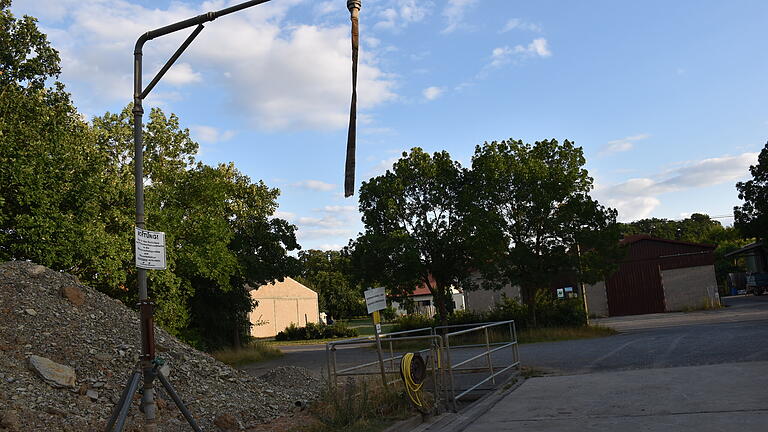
(253, 352)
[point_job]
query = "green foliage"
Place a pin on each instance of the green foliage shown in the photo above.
(550, 312)
(68, 201)
(413, 228)
(752, 216)
(329, 274)
(251, 353)
(532, 214)
(316, 331)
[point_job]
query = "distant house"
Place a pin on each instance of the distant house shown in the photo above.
(424, 302)
(281, 304)
(657, 275)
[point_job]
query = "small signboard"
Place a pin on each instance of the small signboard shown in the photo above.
(150, 249)
(375, 299)
(560, 293)
(378, 328)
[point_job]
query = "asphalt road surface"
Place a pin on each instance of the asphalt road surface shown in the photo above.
(737, 333)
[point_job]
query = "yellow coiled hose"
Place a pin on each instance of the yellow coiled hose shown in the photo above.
(412, 388)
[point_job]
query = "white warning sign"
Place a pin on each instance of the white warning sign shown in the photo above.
(150, 249)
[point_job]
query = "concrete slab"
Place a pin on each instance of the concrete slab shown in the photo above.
(724, 397)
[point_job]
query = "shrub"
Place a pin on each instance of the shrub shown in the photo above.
(388, 314)
(550, 312)
(412, 322)
(316, 331)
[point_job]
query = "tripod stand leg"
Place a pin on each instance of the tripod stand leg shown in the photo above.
(121, 409)
(179, 403)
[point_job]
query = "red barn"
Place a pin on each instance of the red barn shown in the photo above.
(657, 275)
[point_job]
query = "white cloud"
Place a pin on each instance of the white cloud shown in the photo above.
(210, 134)
(181, 74)
(289, 216)
(622, 144)
(281, 75)
(315, 185)
(400, 13)
(503, 55)
(454, 13)
(339, 209)
(329, 6)
(636, 198)
(432, 93)
(518, 24)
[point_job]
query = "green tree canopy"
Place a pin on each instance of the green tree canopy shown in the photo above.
(413, 227)
(329, 274)
(533, 208)
(752, 216)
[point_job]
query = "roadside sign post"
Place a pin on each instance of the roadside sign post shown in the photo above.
(376, 300)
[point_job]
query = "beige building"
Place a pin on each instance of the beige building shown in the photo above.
(279, 305)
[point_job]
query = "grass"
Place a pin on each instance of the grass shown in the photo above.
(706, 305)
(552, 334)
(534, 335)
(253, 352)
(358, 406)
(365, 326)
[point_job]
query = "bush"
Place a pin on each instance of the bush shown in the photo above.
(412, 322)
(388, 314)
(550, 312)
(316, 331)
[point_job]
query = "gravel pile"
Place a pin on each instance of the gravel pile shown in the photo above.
(66, 351)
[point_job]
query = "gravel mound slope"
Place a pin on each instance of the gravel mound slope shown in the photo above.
(82, 332)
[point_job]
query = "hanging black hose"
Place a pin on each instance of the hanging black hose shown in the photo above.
(349, 172)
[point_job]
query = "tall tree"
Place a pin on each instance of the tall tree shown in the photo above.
(538, 199)
(752, 216)
(328, 273)
(413, 227)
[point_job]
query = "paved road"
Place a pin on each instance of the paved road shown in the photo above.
(738, 333)
(715, 398)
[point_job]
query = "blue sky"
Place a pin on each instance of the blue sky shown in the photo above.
(666, 98)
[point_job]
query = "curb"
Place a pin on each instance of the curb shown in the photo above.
(457, 422)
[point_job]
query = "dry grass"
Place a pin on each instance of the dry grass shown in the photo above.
(251, 353)
(358, 406)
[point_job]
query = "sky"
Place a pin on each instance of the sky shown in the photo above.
(667, 99)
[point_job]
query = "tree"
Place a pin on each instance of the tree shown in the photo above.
(52, 174)
(413, 228)
(751, 218)
(537, 199)
(328, 273)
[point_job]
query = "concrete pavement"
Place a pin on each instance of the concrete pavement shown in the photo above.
(724, 397)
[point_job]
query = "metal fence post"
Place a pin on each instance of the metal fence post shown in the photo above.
(488, 355)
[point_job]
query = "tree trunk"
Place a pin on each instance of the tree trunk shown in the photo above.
(529, 298)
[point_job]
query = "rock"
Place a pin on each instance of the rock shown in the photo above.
(37, 270)
(9, 420)
(57, 375)
(31, 312)
(73, 294)
(92, 394)
(165, 370)
(226, 423)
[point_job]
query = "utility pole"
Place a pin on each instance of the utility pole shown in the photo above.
(148, 368)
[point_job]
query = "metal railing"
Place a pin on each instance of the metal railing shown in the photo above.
(441, 355)
(486, 329)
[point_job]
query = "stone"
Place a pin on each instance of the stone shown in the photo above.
(56, 375)
(31, 311)
(226, 423)
(73, 294)
(9, 420)
(37, 270)
(165, 370)
(92, 395)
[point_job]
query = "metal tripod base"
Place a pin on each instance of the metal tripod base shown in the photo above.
(119, 415)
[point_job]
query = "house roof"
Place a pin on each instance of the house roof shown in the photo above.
(748, 248)
(640, 237)
(288, 288)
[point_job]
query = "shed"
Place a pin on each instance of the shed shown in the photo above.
(423, 300)
(281, 304)
(657, 275)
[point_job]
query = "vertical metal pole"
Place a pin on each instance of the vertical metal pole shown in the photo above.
(488, 355)
(328, 363)
(335, 377)
(391, 354)
(381, 357)
(517, 345)
(147, 340)
(450, 372)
